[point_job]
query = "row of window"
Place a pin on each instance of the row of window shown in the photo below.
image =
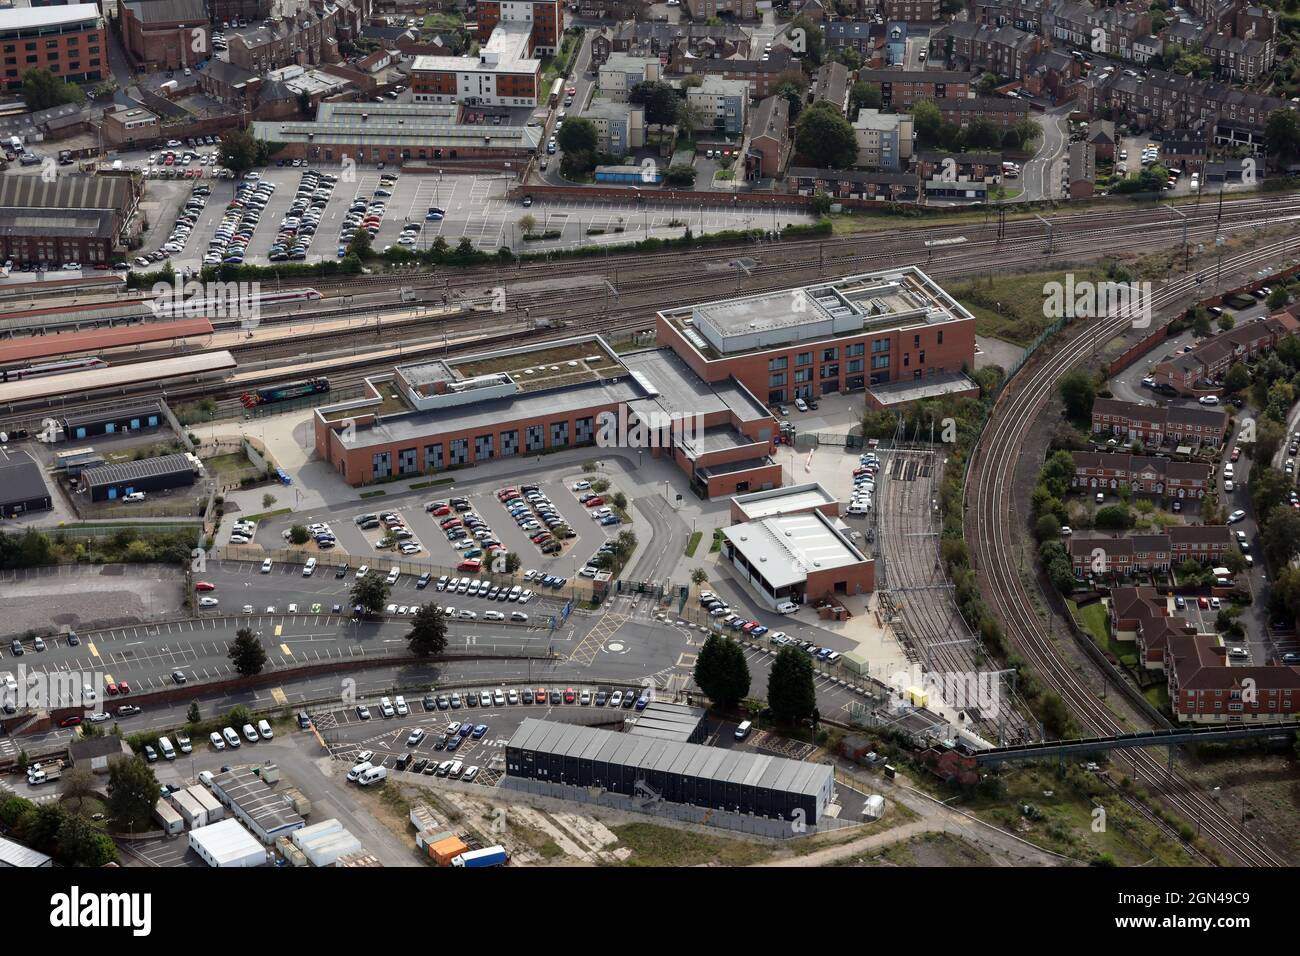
(486, 447)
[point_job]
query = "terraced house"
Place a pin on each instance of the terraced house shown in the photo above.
(1004, 50)
(1212, 360)
(1131, 554)
(1141, 473)
(1152, 425)
(1107, 30)
(1204, 689)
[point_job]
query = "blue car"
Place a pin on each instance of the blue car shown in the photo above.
(479, 731)
(548, 581)
(453, 743)
(465, 730)
(343, 251)
(759, 631)
(558, 583)
(433, 217)
(610, 519)
(642, 702)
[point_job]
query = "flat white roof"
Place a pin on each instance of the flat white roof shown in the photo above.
(784, 549)
(227, 840)
(765, 504)
(28, 18)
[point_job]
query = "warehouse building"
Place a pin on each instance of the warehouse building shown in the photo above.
(252, 801)
(112, 482)
(119, 421)
(739, 781)
(663, 720)
(22, 485)
(797, 557)
(72, 218)
(227, 844)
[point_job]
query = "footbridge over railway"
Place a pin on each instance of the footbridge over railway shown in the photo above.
(1171, 737)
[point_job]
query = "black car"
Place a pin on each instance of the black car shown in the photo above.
(419, 765)
(429, 702)
(402, 761)
(440, 743)
(342, 572)
(629, 697)
(73, 640)
(16, 647)
(423, 583)
(178, 677)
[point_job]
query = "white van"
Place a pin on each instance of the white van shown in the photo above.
(168, 751)
(373, 775)
(264, 728)
(309, 568)
(359, 769)
(743, 730)
(393, 575)
(386, 707)
(232, 738)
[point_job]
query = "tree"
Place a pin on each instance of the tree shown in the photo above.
(299, 534)
(1238, 377)
(246, 653)
(680, 174)
(620, 500)
(1234, 560)
(927, 121)
(428, 635)
(1046, 528)
(513, 563)
(722, 672)
(1078, 393)
(982, 133)
(268, 499)
(691, 116)
(659, 99)
(1281, 133)
(864, 96)
(1269, 436)
(1281, 536)
(699, 576)
(370, 593)
(577, 136)
(360, 247)
(826, 138)
(1226, 321)
(790, 691)
(193, 715)
(80, 844)
(77, 783)
(132, 792)
(239, 151)
(42, 90)
(822, 202)
(1114, 518)
(527, 223)
(1278, 297)
(238, 716)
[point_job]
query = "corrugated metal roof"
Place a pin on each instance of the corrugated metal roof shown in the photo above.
(77, 383)
(21, 479)
(135, 470)
(15, 854)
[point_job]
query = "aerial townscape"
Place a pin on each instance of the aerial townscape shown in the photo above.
(696, 433)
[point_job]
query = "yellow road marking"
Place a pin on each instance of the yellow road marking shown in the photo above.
(278, 695)
(94, 651)
(279, 629)
(284, 649)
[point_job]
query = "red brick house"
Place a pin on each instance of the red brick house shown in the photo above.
(1204, 689)
(1152, 425)
(1142, 473)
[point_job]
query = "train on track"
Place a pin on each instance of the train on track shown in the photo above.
(284, 393)
(168, 306)
(51, 368)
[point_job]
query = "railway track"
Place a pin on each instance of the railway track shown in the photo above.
(994, 545)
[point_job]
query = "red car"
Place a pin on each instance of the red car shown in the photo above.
(440, 511)
(1203, 602)
(70, 721)
(204, 586)
(569, 696)
(595, 502)
(450, 523)
(1236, 453)
(123, 687)
(111, 688)
(750, 626)
(541, 695)
(505, 493)
(571, 90)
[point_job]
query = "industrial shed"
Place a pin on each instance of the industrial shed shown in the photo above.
(22, 485)
(252, 801)
(635, 765)
(132, 418)
(227, 844)
(148, 474)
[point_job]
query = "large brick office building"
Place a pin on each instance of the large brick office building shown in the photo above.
(545, 18)
(68, 41)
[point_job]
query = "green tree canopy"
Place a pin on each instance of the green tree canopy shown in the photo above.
(577, 135)
(826, 138)
(1282, 133)
(370, 593)
(790, 691)
(239, 151)
(1078, 393)
(299, 534)
(132, 792)
(246, 653)
(659, 99)
(42, 90)
(722, 672)
(428, 634)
